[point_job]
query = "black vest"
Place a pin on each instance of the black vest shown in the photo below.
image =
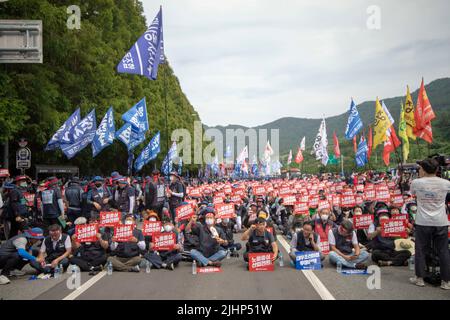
(123, 203)
(59, 250)
(343, 244)
(91, 250)
(301, 243)
(99, 199)
(128, 249)
(259, 243)
(381, 243)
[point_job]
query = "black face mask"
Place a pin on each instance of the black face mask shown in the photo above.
(98, 185)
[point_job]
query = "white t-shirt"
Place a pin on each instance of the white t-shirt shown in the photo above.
(430, 193)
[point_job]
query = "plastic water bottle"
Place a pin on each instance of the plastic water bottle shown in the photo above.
(280, 259)
(339, 267)
(194, 267)
(57, 272)
(411, 263)
(72, 269)
(147, 267)
(228, 254)
(109, 268)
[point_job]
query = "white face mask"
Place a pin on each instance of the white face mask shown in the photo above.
(168, 228)
(219, 220)
(152, 219)
(324, 217)
(209, 221)
(128, 222)
(226, 220)
(298, 230)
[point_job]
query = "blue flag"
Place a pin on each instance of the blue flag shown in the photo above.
(137, 117)
(361, 153)
(149, 153)
(63, 134)
(354, 122)
(130, 138)
(104, 135)
(180, 166)
(166, 166)
(147, 53)
(228, 152)
(83, 134)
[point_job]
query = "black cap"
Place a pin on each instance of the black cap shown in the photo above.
(429, 165)
(259, 220)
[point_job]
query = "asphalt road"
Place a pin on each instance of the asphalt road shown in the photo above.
(233, 283)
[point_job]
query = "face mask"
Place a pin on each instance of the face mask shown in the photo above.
(358, 213)
(297, 230)
(209, 222)
(128, 222)
(98, 185)
(152, 219)
(324, 217)
(226, 220)
(219, 220)
(168, 228)
(23, 184)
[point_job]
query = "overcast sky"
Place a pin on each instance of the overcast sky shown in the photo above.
(250, 62)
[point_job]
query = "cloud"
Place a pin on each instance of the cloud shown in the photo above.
(251, 62)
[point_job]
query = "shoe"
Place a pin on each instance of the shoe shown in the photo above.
(170, 267)
(16, 273)
(417, 281)
(135, 269)
(93, 272)
(164, 265)
(4, 280)
(382, 263)
(445, 285)
(216, 264)
(360, 266)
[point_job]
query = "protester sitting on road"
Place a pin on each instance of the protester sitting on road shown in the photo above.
(168, 259)
(89, 256)
(322, 227)
(99, 197)
(209, 251)
(126, 256)
(305, 240)
(345, 247)
(227, 226)
(251, 215)
(55, 251)
(361, 234)
(14, 253)
(259, 240)
(383, 248)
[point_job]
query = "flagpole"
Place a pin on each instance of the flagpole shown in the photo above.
(165, 108)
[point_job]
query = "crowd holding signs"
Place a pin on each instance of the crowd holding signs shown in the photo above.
(131, 222)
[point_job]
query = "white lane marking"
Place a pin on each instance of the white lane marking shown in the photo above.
(84, 287)
(309, 274)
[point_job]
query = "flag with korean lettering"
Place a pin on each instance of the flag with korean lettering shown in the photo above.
(104, 136)
(129, 137)
(147, 53)
(354, 122)
(137, 117)
(149, 153)
(361, 153)
(63, 134)
(166, 166)
(82, 135)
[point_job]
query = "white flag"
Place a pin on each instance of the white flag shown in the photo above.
(267, 152)
(243, 155)
(321, 144)
(289, 157)
(302, 144)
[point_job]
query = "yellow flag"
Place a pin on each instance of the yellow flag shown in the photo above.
(380, 125)
(409, 115)
(402, 133)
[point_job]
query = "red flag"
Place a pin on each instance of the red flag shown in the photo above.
(390, 145)
(423, 114)
(369, 143)
(337, 152)
(299, 156)
(355, 146)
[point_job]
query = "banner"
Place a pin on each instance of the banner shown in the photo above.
(166, 166)
(307, 260)
(259, 191)
(224, 210)
(104, 136)
(149, 153)
(86, 232)
(260, 262)
(208, 269)
(149, 228)
(348, 201)
(394, 228)
(109, 219)
(123, 232)
(363, 221)
(321, 144)
(164, 241)
(147, 53)
(129, 137)
(184, 212)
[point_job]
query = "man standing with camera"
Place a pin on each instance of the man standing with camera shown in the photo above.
(431, 221)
